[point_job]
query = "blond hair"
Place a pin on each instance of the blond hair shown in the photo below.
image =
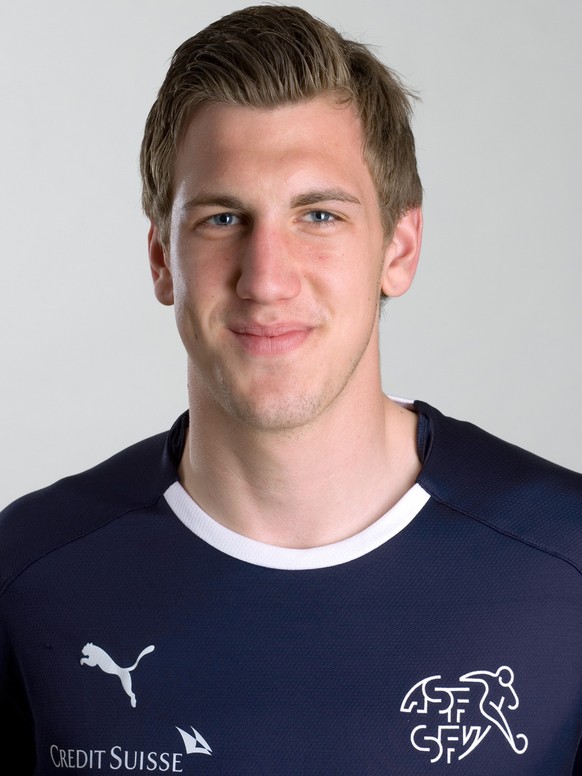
(266, 56)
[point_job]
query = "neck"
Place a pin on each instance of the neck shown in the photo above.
(313, 486)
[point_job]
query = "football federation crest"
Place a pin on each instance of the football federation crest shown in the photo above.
(454, 720)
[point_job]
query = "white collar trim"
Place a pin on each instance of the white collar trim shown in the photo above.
(271, 556)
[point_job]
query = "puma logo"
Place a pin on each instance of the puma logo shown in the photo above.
(95, 656)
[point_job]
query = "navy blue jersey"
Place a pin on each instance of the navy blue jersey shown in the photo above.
(140, 636)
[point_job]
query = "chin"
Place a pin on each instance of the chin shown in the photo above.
(276, 414)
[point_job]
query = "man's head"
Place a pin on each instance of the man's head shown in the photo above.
(266, 57)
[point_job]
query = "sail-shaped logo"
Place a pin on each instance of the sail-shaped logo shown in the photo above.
(194, 742)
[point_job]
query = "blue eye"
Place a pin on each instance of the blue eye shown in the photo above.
(320, 216)
(224, 219)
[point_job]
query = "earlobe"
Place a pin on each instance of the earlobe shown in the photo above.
(401, 257)
(159, 265)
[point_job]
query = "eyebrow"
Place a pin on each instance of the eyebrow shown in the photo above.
(300, 200)
(323, 195)
(207, 198)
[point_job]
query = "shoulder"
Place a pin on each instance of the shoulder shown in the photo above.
(498, 483)
(74, 506)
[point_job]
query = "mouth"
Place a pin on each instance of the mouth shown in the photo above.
(276, 339)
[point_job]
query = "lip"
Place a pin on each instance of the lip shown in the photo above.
(272, 340)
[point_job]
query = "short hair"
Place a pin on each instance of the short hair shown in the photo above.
(267, 56)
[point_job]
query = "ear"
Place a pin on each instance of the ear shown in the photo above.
(160, 267)
(401, 257)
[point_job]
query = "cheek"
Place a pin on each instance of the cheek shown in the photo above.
(204, 267)
(354, 280)
(198, 297)
(180, 283)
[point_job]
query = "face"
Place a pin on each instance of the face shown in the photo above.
(276, 261)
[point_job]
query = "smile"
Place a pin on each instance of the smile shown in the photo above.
(272, 340)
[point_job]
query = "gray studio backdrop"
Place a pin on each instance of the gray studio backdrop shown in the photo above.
(490, 330)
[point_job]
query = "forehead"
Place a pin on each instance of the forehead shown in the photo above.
(318, 137)
(303, 113)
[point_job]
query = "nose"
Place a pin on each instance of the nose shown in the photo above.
(268, 270)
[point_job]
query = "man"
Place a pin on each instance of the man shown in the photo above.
(303, 576)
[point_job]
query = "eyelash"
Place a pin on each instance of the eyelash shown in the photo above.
(330, 218)
(213, 220)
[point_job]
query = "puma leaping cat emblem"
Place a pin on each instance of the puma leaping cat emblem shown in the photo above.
(95, 656)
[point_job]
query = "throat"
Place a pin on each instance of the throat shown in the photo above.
(299, 494)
